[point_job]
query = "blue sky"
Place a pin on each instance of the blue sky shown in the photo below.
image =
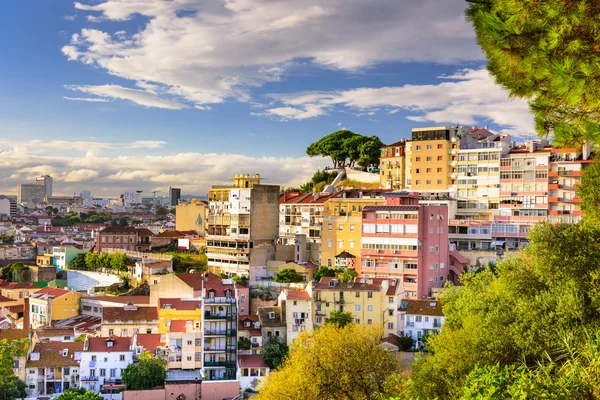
(115, 94)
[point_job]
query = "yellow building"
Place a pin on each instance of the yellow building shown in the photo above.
(52, 304)
(391, 166)
(192, 216)
(17, 291)
(371, 301)
(342, 225)
(433, 154)
(307, 270)
(180, 320)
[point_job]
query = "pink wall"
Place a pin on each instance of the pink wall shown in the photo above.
(207, 390)
(427, 257)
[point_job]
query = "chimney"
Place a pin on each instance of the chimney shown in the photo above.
(26, 318)
(316, 195)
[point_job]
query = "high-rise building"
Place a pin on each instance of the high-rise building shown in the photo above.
(174, 196)
(242, 225)
(86, 195)
(8, 206)
(45, 180)
(131, 197)
(30, 194)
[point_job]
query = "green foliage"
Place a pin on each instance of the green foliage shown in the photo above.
(12, 271)
(242, 280)
(78, 262)
(244, 343)
(223, 275)
(183, 262)
(119, 261)
(549, 53)
(147, 373)
(4, 238)
(114, 261)
(347, 148)
(589, 193)
(339, 319)
(79, 394)
(405, 342)
(161, 210)
(348, 275)
(324, 271)
(288, 275)
(274, 352)
(518, 315)
(81, 338)
(10, 386)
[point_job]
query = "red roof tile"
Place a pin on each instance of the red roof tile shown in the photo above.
(298, 295)
(12, 285)
(149, 341)
(52, 293)
(112, 314)
(100, 344)
(178, 325)
(252, 361)
(180, 304)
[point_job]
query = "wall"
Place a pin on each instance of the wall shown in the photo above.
(66, 306)
(479, 257)
(264, 223)
(187, 216)
(84, 280)
(170, 287)
(361, 176)
(215, 390)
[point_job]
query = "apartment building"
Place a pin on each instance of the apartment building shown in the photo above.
(408, 241)
(302, 214)
(342, 222)
(17, 291)
(103, 361)
(180, 321)
(391, 166)
(192, 216)
(53, 367)
(249, 328)
(430, 156)
(370, 300)
(298, 315)
(478, 174)
(242, 225)
(128, 319)
(419, 318)
(52, 304)
(124, 238)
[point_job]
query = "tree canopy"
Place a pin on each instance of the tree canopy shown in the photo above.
(589, 192)
(324, 271)
(539, 298)
(274, 352)
(347, 149)
(79, 394)
(147, 373)
(334, 363)
(11, 271)
(339, 318)
(549, 53)
(288, 275)
(11, 386)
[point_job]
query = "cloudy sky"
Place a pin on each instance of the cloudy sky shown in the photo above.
(108, 95)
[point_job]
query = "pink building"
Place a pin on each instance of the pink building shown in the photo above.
(408, 241)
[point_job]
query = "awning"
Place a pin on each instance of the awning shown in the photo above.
(497, 243)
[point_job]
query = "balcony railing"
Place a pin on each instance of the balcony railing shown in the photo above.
(215, 363)
(214, 348)
(215, 332)
(219, 300)
(209, 315)
(89, 379)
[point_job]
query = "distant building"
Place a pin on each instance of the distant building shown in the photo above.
(63, 200)
(30, 194)
(132, 197)
(174, 196)
(8, 206)
(123, 237)
(192, 216)
(46, 181)
(86, 194)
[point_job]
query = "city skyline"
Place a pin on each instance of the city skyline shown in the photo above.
(114, 95)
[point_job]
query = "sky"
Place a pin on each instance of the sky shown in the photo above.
(114, 95)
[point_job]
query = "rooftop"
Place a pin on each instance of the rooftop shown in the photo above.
(179, 325)
(114, 314)
(51, 292)
(265, 313)
(422, 307)
(180, 304)
(298, 295)
(252, 361)
(103, 344)
(52, 354)
(54, 332)
(149, 341)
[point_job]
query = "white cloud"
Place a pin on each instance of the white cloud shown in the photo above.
(146, 144)
(468, 96)
(200, 52)
(141, 97)
(110, 172)
(88, 99)
(70, 17)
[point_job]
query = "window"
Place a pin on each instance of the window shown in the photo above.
(189, 342)
(295, 302)
(428, 159)
(329, 226)
(271, 315)
(390, 299)
(369, 321)
(329, 243)
(418, 318)
(319, 320)
(370, 295)
(93, 358)
(439, 146)
(357, 307)
(428, 182)
(390, 325)
(113, 372)
(111, 332)
(357, 320)
(428, 147)
(428, 170)
(340, 244)
(417, 159)
(351, 227)
(417, 182)
(390, 312)
(102, 371)
(369, 307)
(189, 358)
(277, 333)
(341, 227)
(439, 158)
(357, 294)
(417, 170)
(417, 147)
(351, 244)
(122, 357)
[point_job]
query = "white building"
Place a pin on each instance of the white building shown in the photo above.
(103, 361)
(298, 313)
(253, 370)
(53, 367)
(132, 197)
(419, 318)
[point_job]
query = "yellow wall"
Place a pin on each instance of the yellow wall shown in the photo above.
(173, 315)
(379, 301)
(353, 218)
(66, 306)
(439, 164)
(308, 273)
(18, 294)
(187, 215)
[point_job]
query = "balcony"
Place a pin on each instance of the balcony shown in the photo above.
(220, 300)
(215, 332)
(553, 186)
(213, 348)
(209, 315)
(215, 363)
(552, 199)
(89, 379)
(568, 173)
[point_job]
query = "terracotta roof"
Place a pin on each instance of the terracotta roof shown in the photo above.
(190, 233)
(171, 234)
(13, 334)
(393, 285)
(298, 295)
(307, 198)
(178, 325)
(180, 304)
(128, 230)
(54, 332)
(266, 322)
(113, 314)
(4, 299)
(396, 144)
(51, 354)
(252, 361)
(149, 341)
(422, 307)
(393, 340)
(138, 300)
(52, 293)
(192, 280)
(100, 344)
(144, 232)
(345, 254)
(357, 285)
(12, 285)
(81, 323)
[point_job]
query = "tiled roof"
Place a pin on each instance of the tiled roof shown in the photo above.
(54, 332)
(100, 344)
(13, 334)
(422, 307)
(149, 341)
(390, 208)
(359, 284)
(12, 285)
(178, 325)
(252, 331)
(51, 354)
(345, 254)
(266, 322)
(396, 144)
(4, 299)
(113, 314)
(144, 232)
(298, 295)
(81, 323)
(192, 280)
(180, 304)
(252, 361)
(127, 230)
(52, 293)
(171, 234)
(138, 300)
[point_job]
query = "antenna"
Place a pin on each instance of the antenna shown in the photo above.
(154, 193)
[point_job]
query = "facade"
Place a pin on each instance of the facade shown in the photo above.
(249, 328)
(131, 197)
(407, 241)
(46, 181)
(52, 304)
(17, 251)
(30, 194)
(53, 367)
(19, 361)
(391, 166)
(371, 301)
(242, 225)
(342, 226)
(8, 206)
(298, 315)
(180, 321)
(301, 214)
(273, 323)
(192, 216)
(63, 255)
(174, 196)
(253, 369)
(103, 361)
(128, 319)
(419, 318)
(63, 200)
(123, 237)
(17, 291)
